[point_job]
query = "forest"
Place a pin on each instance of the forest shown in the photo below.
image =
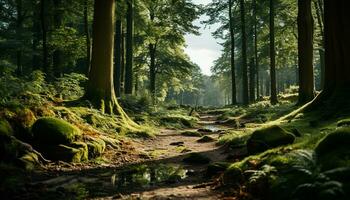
(101, 99)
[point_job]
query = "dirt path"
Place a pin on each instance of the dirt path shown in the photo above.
(163, 176)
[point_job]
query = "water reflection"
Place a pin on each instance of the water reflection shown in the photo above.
(145, 176)
(213, 128)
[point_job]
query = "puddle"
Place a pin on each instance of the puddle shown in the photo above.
(213, 128)
(145, 176)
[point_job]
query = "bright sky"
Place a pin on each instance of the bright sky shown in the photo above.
(203, 49)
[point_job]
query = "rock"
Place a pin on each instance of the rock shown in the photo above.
(96, 147)
(22, 122)
(75, 152)
(230, 122)
(267, 138)
(177, 143)
(333, 150)
(233, 176)
(205, 139)
(217, 168)
(205, 130)
(191, 134)
(196, 158)
(5, 128)
(54, 131)
(344, 122)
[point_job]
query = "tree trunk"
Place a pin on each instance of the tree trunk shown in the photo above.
(256, 48)
(152, 50)
(305, 51)
(87, 36)
(233, 68)
(36, 28)
(100, 89)
(273, 91)
(19, 29)
(320, 22)
(122, 70)
(44, 36)
(129, 48)
(252, 80)
(118, 57)
(245, 93)
(58, 53)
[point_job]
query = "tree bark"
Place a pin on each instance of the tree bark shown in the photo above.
(129, 48)
(118, 57)
(252, 80)
(57, 56)
(245, 92)
(273, 91)
(87, 36)
(100, 90)
(19, 29)
(305, 52)
(233, 68)
(152, 50)
(256, 48)
(45, 52)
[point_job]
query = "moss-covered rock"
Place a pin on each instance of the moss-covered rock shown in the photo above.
(191, 134)
(96, 148)
(54, 131)
(205, 139)
(233, 176)
(216, 168)
(196, 158)
(333, 151)
(184, 121)
(267, 138)
(75, 152)
(5, 128)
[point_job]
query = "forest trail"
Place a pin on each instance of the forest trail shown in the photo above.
(164, 174)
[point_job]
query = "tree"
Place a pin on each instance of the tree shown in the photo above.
(118, 56)
(245, 93)
(273, 91)
(305, 51)
(129, 48)
(100, 88)
(256, 47)
(87, 36)
(44, 36)
(233, 69)
(58, 23)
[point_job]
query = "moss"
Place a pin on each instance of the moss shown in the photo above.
(205, 139)
(5, 128)
(183, 121)
(333, 150)
(75, 152)
(54, 131)
(196, 158)
(29, 161)
(96, 148)
(267, 138)
(191, 133)
(233, 176)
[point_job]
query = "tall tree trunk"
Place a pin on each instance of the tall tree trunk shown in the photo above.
(305, 51)
(100, 89)
(122, 70)
(256, 48)
(87, 36)
(320, 21)
(245, 92)
(129, 48)
(252, 80)
(273, 91)
(44, 36)
(58, 53)
(233, 68)
(152, 50)
(19, 29)
(337, 46)
(118, 57)
(36, 29)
